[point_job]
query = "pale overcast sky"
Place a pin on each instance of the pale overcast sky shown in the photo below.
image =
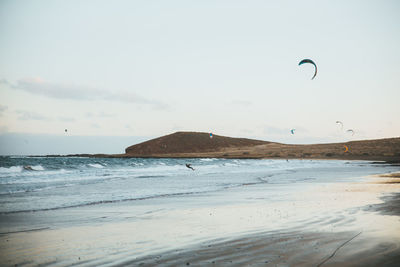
(139, 69)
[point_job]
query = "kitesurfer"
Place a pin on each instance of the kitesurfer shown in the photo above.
(189, 166)
(28, 168)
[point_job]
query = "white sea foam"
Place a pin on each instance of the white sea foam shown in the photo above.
(37, 168)
(209, 159)
(137, 164)
(230, 164)
(12, 169)
(96, 165)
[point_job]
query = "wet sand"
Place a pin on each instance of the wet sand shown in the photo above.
(336, 224)
(289, 248)
(373, 241)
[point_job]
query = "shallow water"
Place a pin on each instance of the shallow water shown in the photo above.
(62, 182)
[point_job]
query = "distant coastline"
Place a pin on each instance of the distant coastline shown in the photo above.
(200, 145)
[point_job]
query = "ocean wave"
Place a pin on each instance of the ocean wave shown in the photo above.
(230, 164)
(24, 176)
(209, 159)
(137, 164)
(151, 176)
(159, 168)
(91, 203)
(96, 165)
(12, 169)
(37, 168)
(33, 177)
(31, 190)
(19, 169)
(95, 181)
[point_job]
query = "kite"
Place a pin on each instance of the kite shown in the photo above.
(350, 131)
(292, 131)
(311, 62)
(341, 124)
(346, 149)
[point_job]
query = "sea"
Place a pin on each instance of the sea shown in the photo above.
(29, 184)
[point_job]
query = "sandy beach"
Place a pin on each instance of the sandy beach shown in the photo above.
(336, 224)
(369, 235)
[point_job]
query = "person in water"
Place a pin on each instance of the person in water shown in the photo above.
(189, 166)
(28, 168)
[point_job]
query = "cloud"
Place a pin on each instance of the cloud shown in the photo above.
(39, 86)
(29, 115)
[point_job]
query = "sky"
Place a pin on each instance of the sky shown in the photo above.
(134, 70)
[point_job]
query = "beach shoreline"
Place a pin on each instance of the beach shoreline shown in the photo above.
(346, 224)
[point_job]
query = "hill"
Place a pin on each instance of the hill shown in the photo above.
(193, 144)
(189, 142)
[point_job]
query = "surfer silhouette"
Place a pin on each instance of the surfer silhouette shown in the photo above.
(189, 166)
(28, 168)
